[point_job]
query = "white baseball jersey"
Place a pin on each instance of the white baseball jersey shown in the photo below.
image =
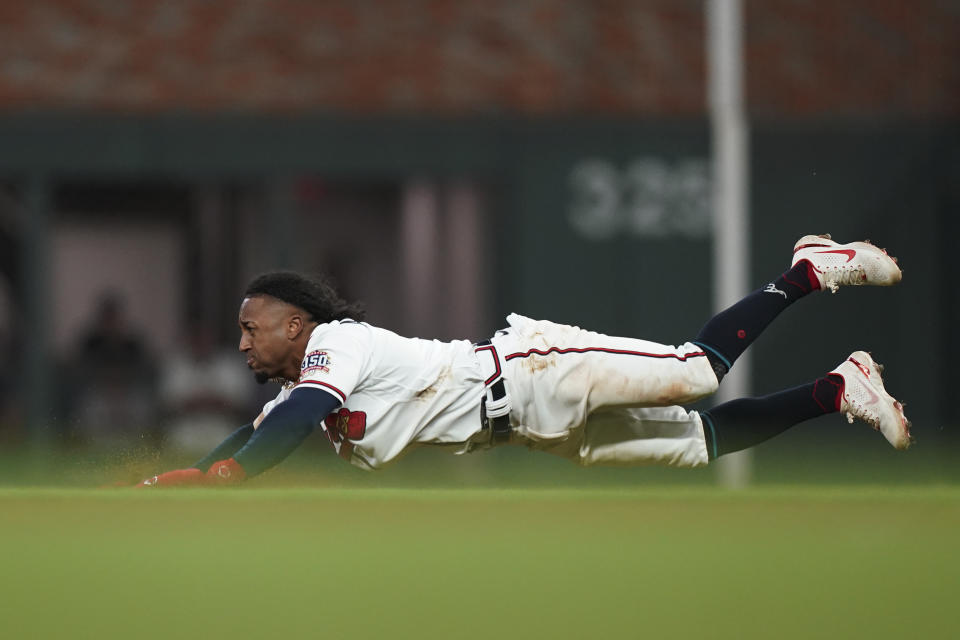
(589, 397)
(394, 391)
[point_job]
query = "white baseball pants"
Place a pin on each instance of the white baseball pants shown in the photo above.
(599, 399)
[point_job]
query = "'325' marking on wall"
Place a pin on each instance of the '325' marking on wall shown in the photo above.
(649, 197)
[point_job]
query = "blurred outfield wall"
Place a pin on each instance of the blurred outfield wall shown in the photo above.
(606, 224)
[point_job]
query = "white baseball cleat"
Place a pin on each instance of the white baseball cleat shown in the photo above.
(864, 397)
(854, 263)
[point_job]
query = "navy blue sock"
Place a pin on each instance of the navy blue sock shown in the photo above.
(747, 422)
(726, 335)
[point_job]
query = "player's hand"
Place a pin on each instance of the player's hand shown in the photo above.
(224, 472)
(176, 478)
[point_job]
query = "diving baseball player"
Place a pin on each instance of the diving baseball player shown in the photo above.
(589, 397)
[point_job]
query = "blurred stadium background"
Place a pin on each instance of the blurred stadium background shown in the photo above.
(449, 162)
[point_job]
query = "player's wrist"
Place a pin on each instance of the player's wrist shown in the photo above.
(225, 472)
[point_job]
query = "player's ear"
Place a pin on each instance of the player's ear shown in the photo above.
(294, 326)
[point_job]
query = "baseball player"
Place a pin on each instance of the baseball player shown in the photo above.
(589, 397)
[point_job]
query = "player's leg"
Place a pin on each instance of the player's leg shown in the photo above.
(557, 375)
(629, 436)
(673, 436)
(818, 263)
(855, 388)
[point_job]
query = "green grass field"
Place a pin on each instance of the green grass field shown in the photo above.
(683, 562)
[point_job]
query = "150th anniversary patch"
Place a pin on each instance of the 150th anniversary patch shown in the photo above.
(315, 361)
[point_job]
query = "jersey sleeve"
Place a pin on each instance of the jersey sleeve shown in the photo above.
(336, 358)
(285, 429)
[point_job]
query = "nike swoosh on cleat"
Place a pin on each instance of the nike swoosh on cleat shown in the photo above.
(850, 253)
(874, 398)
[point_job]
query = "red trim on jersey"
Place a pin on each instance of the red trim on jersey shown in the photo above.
(625, 352)
(496, 362)
(343, 396)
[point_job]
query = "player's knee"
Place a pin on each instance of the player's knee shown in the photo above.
(707, 388)
(687, 391)
(706, 384)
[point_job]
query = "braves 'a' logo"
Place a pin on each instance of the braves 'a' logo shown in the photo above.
(343, 427)
(346, 424)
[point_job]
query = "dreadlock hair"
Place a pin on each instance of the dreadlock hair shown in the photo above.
(314, 294)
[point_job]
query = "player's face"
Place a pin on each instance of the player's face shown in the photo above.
(266, 337)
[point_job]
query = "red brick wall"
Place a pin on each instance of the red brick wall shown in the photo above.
(849, 57)
(467, 57)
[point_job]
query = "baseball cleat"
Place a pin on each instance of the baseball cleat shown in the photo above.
(864, 397)
(854, 263)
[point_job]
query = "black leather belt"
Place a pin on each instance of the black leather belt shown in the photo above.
(499, 426)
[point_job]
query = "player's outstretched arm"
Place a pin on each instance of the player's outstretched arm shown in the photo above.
(247, 452)
(285, 428)
(196, 475)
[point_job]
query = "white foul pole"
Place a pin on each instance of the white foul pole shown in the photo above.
(731, 216)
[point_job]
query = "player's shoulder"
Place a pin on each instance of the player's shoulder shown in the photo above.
(347, 328)
(339, 325)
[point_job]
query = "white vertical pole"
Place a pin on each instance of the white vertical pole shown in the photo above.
(731, 220)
